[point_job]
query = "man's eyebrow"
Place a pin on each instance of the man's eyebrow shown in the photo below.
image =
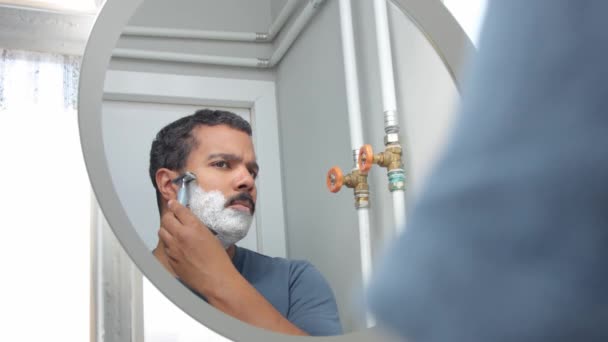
(225, 156)
(231, 157)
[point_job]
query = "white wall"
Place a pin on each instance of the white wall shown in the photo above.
(275, 7)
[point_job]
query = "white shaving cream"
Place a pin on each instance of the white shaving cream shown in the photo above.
(231, 225)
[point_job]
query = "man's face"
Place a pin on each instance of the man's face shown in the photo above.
(224, 160)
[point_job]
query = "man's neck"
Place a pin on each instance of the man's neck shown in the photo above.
(161, 256)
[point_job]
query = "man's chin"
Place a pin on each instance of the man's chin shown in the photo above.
(230, 241)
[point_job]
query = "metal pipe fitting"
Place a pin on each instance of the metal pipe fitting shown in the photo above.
(355, 180)
(361, 199)
(358, 182)
(262, 37)
(390, 158)
(396, 180)
(263, 63)
(356, 159)
(391, 138)
(391, 123)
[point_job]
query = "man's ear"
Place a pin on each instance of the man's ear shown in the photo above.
(164, 178)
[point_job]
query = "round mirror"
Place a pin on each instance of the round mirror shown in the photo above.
(280, 66)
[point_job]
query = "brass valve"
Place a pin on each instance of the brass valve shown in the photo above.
(390, 158)
(355, 179)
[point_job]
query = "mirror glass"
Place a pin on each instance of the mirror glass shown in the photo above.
(165, 67)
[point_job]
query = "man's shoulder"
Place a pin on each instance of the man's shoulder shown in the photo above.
(309, 301)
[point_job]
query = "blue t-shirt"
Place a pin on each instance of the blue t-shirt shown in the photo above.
(295, 288)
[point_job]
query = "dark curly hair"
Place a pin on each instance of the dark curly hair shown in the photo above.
(173, 143)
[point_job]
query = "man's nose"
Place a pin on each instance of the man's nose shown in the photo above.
(244, 180)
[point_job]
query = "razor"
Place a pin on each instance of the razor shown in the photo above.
(182, 194)
(182, 181)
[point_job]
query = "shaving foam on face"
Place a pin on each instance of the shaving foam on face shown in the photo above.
(231, 225)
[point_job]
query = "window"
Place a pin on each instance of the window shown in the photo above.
(469, 15)
(46, 200)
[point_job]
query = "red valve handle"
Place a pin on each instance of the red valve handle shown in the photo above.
(335, 179)
(366, 158)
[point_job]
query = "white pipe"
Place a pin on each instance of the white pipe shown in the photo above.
(366, 252)
(281, 19)
(385, 58)
(356, 135)
(159, 32)
(275, 58)
(187, 58)
(389, 100)
(364, 238)
(399, 210)
(294, 31)
(350, 72)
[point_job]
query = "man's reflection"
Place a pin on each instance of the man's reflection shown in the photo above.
(277, 294)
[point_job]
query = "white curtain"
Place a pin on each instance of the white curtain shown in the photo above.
(35, 78)
(45, 202)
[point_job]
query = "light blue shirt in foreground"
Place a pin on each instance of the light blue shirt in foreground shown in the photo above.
(508, 241)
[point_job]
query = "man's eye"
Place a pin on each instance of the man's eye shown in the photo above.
(221, 164)
(254, 174)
